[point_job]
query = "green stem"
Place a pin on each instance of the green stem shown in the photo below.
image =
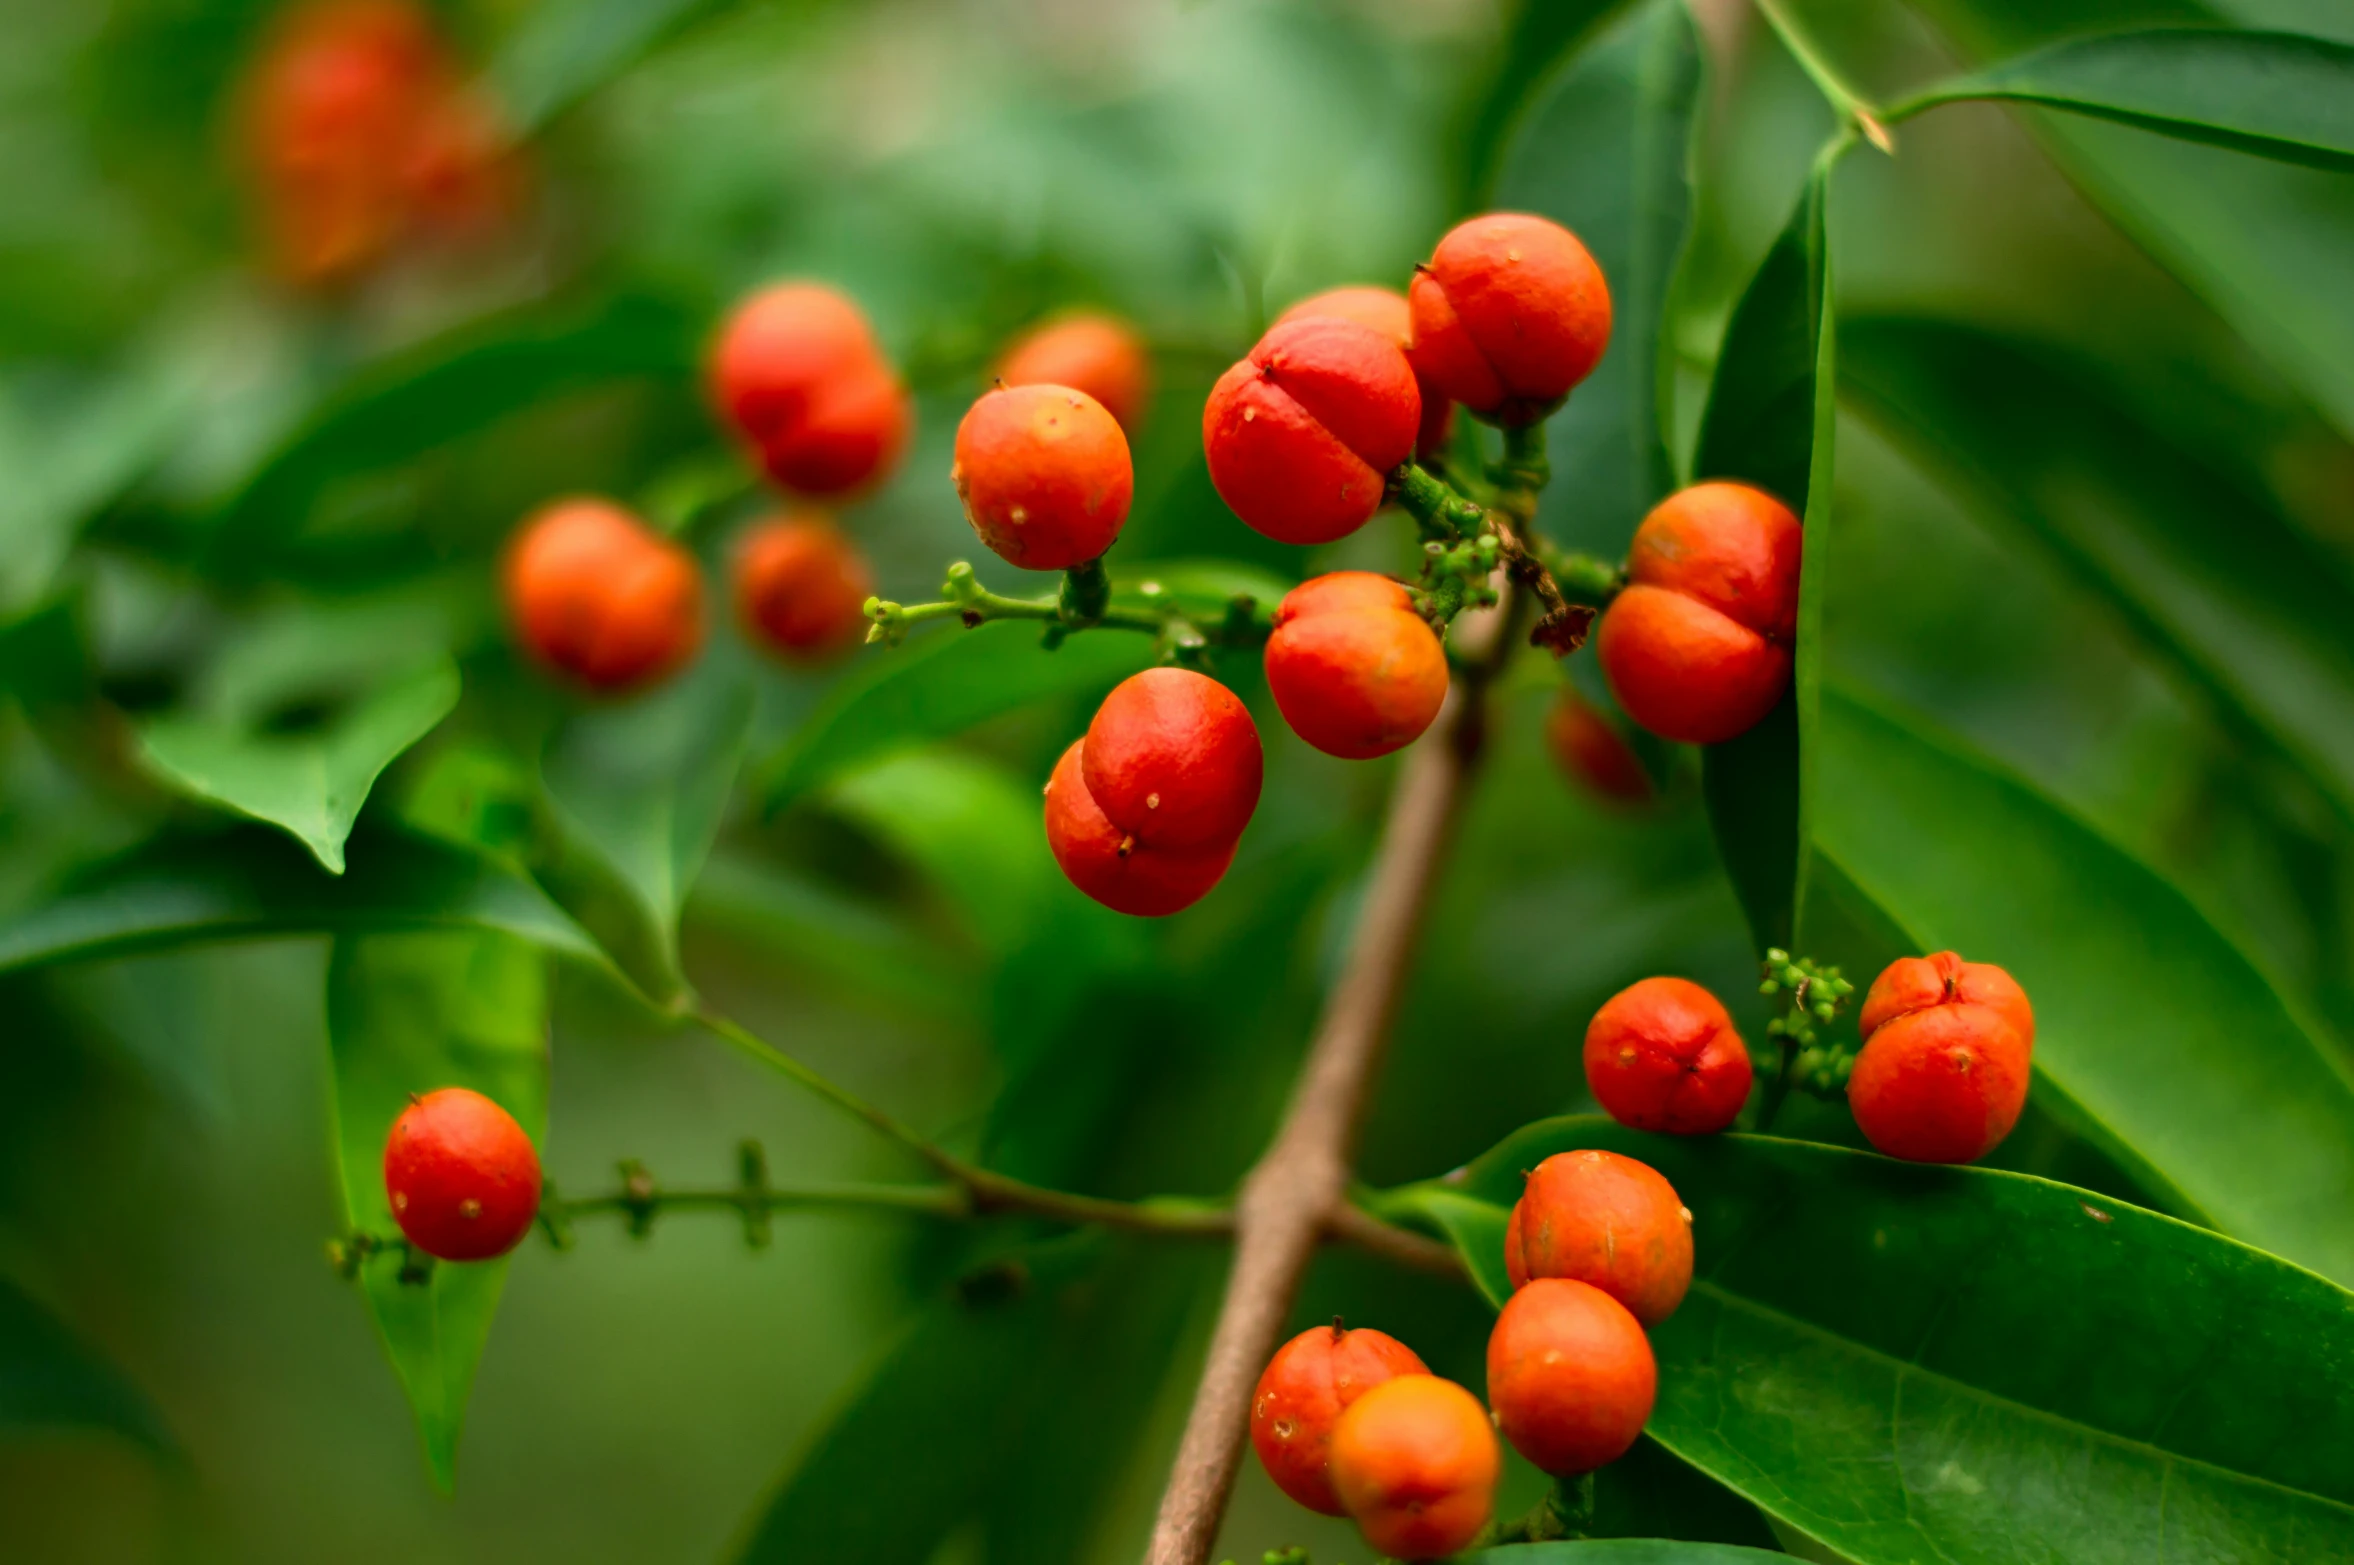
(730, 1031)
(1443, 514)
(1523, 471)
(1852, 107)
(1084, 603)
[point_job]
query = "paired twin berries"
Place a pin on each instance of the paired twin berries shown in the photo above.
(1598, 1248)
(1942, 1077)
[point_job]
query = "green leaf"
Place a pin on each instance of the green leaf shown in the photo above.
(911, 1454)
(1622, 1551)
(247, 884)
(561, 53)
(2278, 95)
(1770, 421)
(1605, 150)
(2193, 553)
(409, 1014)
(312, 784)
(1538, 36)
(937, 686)
(1910, 1362)
(638, 792)
(974, 831)
(2167, 1042)
(50, 1380)
(440, 391)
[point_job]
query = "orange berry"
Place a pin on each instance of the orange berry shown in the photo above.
(1510, 314)
(595, 594)
(1301, 1395)
(1302, 435)
(1087, 351)
(1571, 1376)
(1172, 758)
(1588, 748)
(1698, 646)
(1662, 1055)
(1384, 309)
(1415, 1463)
(801, 587)
(1610, 1222)
(462, 1177)
(1109, 864)
(1944, 1068)
(796, 370)
(1044, 475)
(1354, 670)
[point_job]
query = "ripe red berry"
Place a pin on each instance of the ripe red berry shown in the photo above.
(797, 371)
(1087, 351)
(1354, 670)
(1944, 1068)
(1591, 751)
(1510, 314)
(1698, 645)
(1301, 1395)
(801, 587)
(1109, 864)
(1044, 475)
(1302, 435)
(1384, 309)
(1173, 760)
(1415, 1464)
(1662, 1055)
(1608, 1221)
(1571, 1376)
(462, 1176)
(597, 595)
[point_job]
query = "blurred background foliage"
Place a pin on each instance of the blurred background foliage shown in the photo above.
(231, 510)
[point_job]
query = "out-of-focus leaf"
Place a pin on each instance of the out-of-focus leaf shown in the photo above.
(2201, 564)
(638, 792)
(2172, 1046)
(1622, 1551)
(956, 1388)
(1537, 37)
(944, 682)
(312, 784)
(409, 1014)
(1911, 1362)
(971, 827)
(51, 1381)
(1605, 151)
(1770, 421)
(561, 53)
(2278, 95)
(249, 883)
(440, 391)
(817, 933)
(66, 454)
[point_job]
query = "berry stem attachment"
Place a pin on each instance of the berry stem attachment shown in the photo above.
(1817, 995)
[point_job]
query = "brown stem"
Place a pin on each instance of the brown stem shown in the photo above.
(1298, 1190)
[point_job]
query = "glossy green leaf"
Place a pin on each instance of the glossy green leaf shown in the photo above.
(248, 884)
(1622, 1551)
(51, 1381)
(408, 1014)
(1771, 421)
(2278, 95)
(561, 53)
(909, 1456)
(1965, 1365)
(440, 391)
(1605, 150)
(2167, 1039)
(2194, 554)
(313, 783)
(638, 792)
(969, 826)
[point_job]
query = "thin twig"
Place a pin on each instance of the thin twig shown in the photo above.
(1297, 1190)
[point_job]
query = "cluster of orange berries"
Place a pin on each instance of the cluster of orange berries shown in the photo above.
(361, 131)
(1941, 1077)
(1598, 1249)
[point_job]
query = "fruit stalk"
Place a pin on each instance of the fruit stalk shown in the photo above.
(1300, 1183)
